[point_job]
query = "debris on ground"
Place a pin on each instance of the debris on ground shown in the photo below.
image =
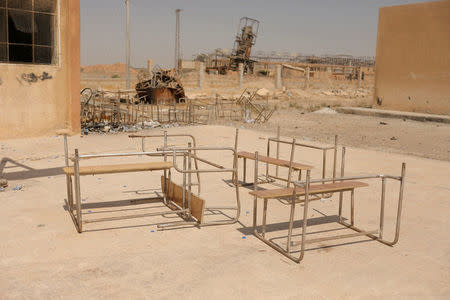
(18, 187)
(359, 93)
(163, 87)
(325, 110)
(3, 183)
(263, 92)
(105, 127)
(393, 138)
(383, 123)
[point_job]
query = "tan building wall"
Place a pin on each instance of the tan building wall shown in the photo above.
(43, 107)
(413, 58)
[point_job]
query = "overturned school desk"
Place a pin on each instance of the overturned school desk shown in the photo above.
(290, 163)
(305, 191)
(181, 199)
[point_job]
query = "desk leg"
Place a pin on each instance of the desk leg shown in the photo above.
(69, 192)
(291, 225)
(264, 221)
(78, 191)
(352, 208)
(245, 170)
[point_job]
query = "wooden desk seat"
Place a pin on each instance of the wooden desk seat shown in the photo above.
(313, 189)
(120, 168)
(273, 161)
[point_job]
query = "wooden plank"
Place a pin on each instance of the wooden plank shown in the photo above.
(120, 168)
(274, 161)
(313, 189)
(175, 193)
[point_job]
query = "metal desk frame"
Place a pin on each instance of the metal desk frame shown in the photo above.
(374, 234)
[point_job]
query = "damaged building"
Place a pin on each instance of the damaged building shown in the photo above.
(413, 58)
(39, 67)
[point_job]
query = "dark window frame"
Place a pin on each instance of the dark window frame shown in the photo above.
(54, 36)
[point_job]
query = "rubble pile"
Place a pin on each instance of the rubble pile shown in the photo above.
(359, 93)
(160, 80)
(105, 127)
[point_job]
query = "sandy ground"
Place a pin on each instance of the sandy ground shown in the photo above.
(425, 139)
(42, 255)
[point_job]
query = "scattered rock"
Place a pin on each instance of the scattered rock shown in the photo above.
(383, 123)
(325, 110)
(263, 92)
(393, 138)
(3, 183)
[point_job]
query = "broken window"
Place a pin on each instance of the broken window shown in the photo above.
(27, 31)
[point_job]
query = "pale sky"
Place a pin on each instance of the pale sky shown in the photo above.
(295, 26)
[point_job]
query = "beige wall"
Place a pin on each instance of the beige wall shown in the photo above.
(42, 107)
(413, 58)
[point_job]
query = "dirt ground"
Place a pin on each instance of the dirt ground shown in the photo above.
(42, 255)
(425, 139)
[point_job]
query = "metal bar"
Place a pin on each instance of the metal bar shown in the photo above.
(78, 191)
(264, 220)
(184, 181)
(343, 236)
(324, 163)
(350, 178)
(383, 197)
(68, 177)
(220, 207)
(341, 195)
(278, 148)
(399, 206)
(165, 159)
(305, 215)
(335, 155)
(300, 144)
(165, 135)
(86, 156)
(171, 149)
(291, 161)
(278, 178)
(291, 222)
(245, 170)
(161, 213)
(207, 162)
(267, 164)
(161, 135)
(181, 223)
(255, 187)
(352, 207)
(235, 160)
(189, 180)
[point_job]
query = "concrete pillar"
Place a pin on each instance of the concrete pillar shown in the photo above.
(359, 77)
(149, 66)
(241, 75)
(278, 77)
(201, 75)
(307, 77)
